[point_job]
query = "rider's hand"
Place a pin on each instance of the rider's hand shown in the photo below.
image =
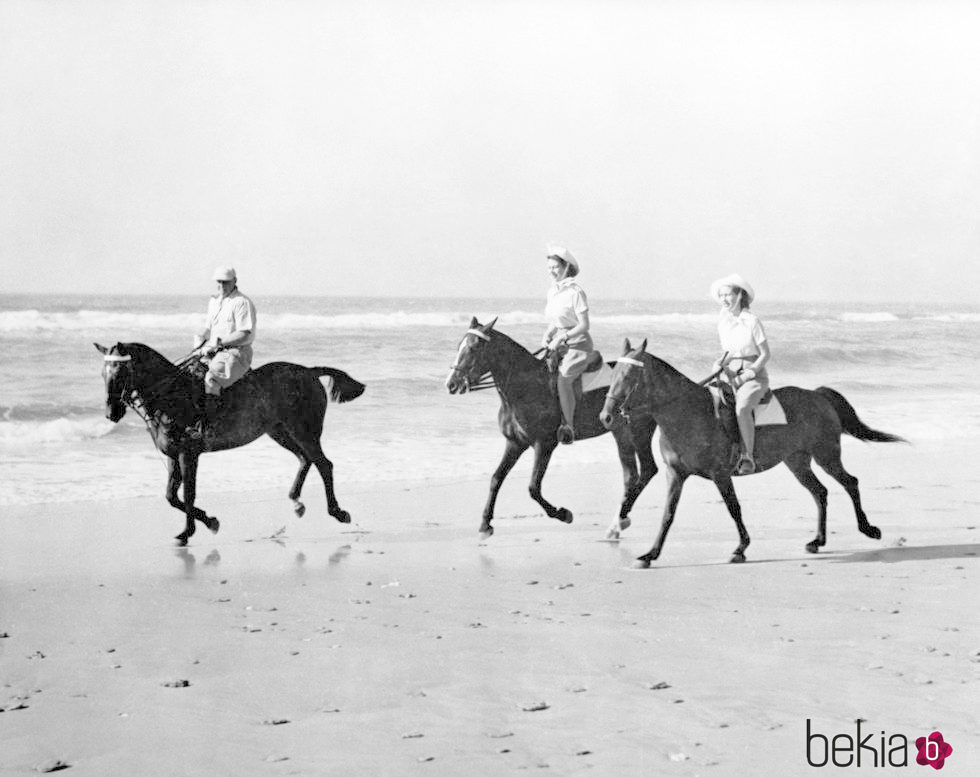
(746, 375)
(558, 341)
(211, 350)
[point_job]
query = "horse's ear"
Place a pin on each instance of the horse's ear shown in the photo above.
(489, 326)
(101, 349)
(643, 345)
(626, 346)
(474, 323)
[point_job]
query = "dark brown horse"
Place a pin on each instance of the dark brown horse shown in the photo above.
(529, 417)
(693, 441)
(285, 401)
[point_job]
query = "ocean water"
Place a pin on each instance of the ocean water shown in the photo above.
(907, 369)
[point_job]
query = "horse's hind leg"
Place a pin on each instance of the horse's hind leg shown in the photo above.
(830, 462)
(799, 465)
(282, 437)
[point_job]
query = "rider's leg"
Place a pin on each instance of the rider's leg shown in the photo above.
(747, 398)
(566, 396)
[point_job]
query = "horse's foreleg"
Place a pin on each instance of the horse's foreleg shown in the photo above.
(174, 478)
(188, 473)
(634, 444)
(512, 453)
(799, 465)
(675, 484)
(542, 455)
(831, 464)
(724, 483)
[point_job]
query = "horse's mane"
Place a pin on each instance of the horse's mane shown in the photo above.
(144, 354)
(671, 370)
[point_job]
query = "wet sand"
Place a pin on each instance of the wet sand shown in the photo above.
(403, 644)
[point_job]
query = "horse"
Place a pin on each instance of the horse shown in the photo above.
(529, 417)
(693, 441)
(285, 401)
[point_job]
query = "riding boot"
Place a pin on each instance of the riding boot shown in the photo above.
(566, 432)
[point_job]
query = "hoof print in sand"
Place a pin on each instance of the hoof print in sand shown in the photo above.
(176, 684)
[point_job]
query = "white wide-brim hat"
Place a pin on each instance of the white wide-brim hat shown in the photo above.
(562, 253)
(225, 273)
(732, 280)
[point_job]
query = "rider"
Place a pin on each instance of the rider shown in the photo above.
(744, 365)
(567, 333)
(226, 341)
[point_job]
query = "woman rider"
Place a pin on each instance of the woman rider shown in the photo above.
(744, 365)
(567, 334)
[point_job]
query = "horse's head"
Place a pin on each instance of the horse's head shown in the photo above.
(471, 359)
(117, 371)
(628, 375)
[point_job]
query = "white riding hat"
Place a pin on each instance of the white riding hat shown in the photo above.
(562, 253)
(732, 280)
(225, 274)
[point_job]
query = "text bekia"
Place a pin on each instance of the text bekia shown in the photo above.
(872, 749)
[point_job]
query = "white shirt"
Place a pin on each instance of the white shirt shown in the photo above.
(740, 335)
(227, 315)
(566, 300)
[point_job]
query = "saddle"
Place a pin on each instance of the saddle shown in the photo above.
(595, 364)
(768, 413)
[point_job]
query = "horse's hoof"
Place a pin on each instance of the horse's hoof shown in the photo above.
(563, 515)
(625, 523)
(612, 534)
(342, 516)
(213, 525)
(737, 558)
(299, 508)
(641, 563)
(813, 547)
(180, 541)
(871, 531)
(486, 533)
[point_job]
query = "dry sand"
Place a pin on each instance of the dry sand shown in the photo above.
(403, 645)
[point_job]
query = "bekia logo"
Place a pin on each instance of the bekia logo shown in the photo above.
(845, 750)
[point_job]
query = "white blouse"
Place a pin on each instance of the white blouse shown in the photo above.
(566, 301)
(740, 335)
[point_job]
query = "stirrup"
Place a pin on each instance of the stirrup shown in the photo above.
(566, 435)
(745, 466)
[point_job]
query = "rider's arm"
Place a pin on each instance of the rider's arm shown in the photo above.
(753, 369)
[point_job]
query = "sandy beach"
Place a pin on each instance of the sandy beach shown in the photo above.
(402, 644)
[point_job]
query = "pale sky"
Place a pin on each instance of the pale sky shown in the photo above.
(825, 150)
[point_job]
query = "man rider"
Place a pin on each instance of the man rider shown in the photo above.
(227, 341)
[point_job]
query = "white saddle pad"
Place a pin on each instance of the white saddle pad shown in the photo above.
(601, 378)
(770, 413)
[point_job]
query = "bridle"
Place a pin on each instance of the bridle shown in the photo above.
(128, 394)
(485, 380)
(620, 404)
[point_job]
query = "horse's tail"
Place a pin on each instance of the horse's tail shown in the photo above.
(343, 387)
(850, 422)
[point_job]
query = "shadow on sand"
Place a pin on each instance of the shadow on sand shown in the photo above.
(913, 553)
